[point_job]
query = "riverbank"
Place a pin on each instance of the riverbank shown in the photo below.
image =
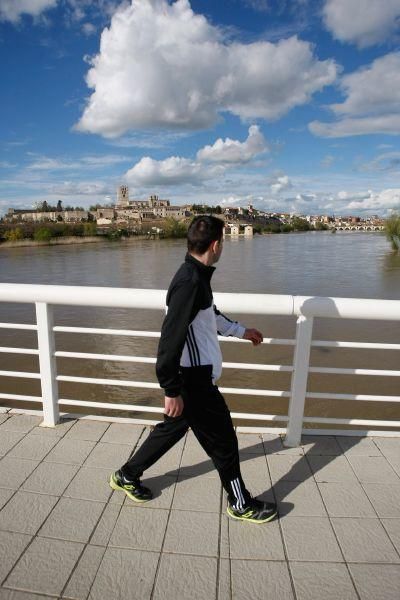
(68, 240)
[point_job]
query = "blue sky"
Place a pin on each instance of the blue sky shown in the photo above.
(292, 105)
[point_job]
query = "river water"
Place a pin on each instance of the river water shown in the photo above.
(358, 264)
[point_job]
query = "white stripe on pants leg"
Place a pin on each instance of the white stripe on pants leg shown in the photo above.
(235, 484)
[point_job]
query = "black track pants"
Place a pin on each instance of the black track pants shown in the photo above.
(206, 412)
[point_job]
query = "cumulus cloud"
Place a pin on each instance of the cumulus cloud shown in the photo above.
(384, 201)
(170, 171)
(281, 184)
(211, 161)
(12, 10)
(372, 101)
(362, 22)
(233, 151)
(162, 65)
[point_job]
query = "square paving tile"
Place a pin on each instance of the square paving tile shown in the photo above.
(110, 456)
(392, 527)
(262, 542)
(11, 547)
(192, 533)
(82, 578)
(375, 582)
(45, 566)
(358, 446)
(9, 439)
(22, 423)
(26, 512)
(50, 478)
(385, 498)
(90, 484)
(329, 581)
(251, 443)
(389, 446)
(288, 468)
(5, 495)
(364, 540)
(310, 539)
(273, 443)
(254, 466)
(296, 499)
(14, 471)
(73, 452)
(138, 529)
(322, 445)
(114, 578)
(58, 430)
(86, 429)
(346, 499)
(201, 493)
(105, 526)
(186, 578)
(163, 488)
(7, 594)
(331, 469)
(169, 463)
(373, 469)
(260, 580)
(123, 433)
(72, 520)
(394, 461)
(224, 579)
(33, 447)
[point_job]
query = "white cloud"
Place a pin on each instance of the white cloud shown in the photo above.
(89, 29)
(388, 161)
(162, 65)
(82, 188)
(281, 184)
(327, 161)
(233, 151)
(362, 22)
(383, 201)
(211, 162)
(45, 163)
(372, 103)
(174, 170)
(12, 10)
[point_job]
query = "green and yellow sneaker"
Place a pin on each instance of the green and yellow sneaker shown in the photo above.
(133, 489)
(255, 512)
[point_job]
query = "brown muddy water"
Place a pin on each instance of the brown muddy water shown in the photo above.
(348, 264)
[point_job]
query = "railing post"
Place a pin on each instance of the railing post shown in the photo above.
(47, 362)
(299, 381)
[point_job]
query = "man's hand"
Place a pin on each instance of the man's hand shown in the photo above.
(173, 406)
(255, 336)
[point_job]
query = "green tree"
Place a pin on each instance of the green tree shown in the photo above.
(392, 230)
(300, 224)
(174, 229)
(13, 235)
(89, 229)
(44, 234)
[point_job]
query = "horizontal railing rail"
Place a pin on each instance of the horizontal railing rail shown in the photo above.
(304, 308)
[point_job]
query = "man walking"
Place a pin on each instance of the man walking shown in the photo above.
(189, 362)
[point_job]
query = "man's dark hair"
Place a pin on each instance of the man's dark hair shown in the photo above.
(202, 231)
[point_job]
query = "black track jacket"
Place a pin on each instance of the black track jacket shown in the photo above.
(189, 334)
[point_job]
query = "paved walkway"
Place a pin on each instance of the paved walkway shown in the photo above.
(65, 534)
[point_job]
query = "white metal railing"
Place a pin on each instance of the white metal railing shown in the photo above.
(304, 308)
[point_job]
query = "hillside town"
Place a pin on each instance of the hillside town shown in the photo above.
(128, 213)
